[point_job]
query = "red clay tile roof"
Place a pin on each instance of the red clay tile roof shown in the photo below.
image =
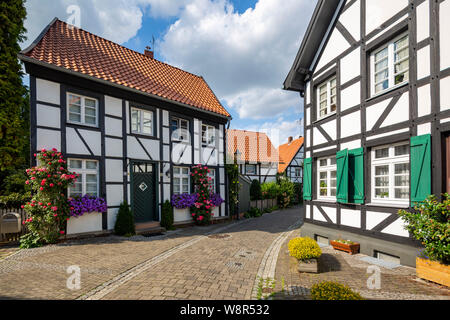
(253, 146)
(77, 50)
(287, 152)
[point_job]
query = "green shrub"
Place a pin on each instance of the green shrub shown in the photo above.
(269, 190)
(298, 199)
(255, 190)
(430, 224)
(14, 200)
(125, 221)
(253, 213)
(167, 216)
(285, 193)
(304, 248)
(329, 290)
(15, 183)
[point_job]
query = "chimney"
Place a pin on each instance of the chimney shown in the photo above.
(148, 52)
(290, 139)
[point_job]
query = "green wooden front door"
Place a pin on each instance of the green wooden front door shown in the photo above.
(144, 192)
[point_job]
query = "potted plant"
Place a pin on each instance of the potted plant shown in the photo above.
(430, 224)
(86, 214)
(345, 245)
(307, 252)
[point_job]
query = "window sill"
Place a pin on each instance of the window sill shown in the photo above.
(326, 200)
(82, 124)
(382, 93)
(389, 205)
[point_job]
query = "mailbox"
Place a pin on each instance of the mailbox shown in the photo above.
(10, 222)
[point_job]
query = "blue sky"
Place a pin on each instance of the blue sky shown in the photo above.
(243, 48)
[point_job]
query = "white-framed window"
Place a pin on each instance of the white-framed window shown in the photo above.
(390, 173)
(208, 135)
(180, 130)
(212, 183)
(250, 169)
(298, 172)
(88, 179)
(326, 177)
(181, 180)
(327, 98)
(82, 110)
(142, 121)
(389, 65)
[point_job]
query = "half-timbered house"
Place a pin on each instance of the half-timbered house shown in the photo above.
(130, 125)
(375, 78)
(291, 157)
(256, 155)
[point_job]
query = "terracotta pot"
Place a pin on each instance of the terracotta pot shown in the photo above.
(350, 248)
(433, 271)
(309, 266)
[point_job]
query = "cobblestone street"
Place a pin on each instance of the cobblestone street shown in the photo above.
(224, 261)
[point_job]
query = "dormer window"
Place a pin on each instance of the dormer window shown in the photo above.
(327, 98)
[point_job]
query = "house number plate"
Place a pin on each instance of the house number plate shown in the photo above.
(143, 186)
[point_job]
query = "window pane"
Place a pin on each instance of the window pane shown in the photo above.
(323, 176)
(382, 86)
(176, 170)
(91, 188)
(402, 193)
(74, 100)
(90, 103)
(402, 181)
(401, 43)
(402, 168)
(75, 164)
(381, 65)
(401, 150)
(185, 171)
(333, 161)
(91, 178)
(90, 112)
(382, 182)
(382, 193)
(382, 171)
(381, 76)
(91, 165)
(382, 153)
(402, 77)
(90, 120)
(176, 188)
(323, 162)
(381, 54)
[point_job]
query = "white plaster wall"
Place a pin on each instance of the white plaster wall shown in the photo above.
(351, 96)
(318, 75)
(167, 195)
(331, 129)
(423, 63)
(74, 144)
(308, 92)
(445, 93)
(166, 153)
(375, 218)
(331, 213)
(318, 137)
(113, 106)
(444, 27)
(112, 215)
(351, 20)
(378, 11)
(335, 46)
(48, 116)
(351, 124)
(222, 175)
(351, 65)
(48, 91)
(114, 194)
(48, 139)
(355, 144)
(424, 100)
(135, 150)
(397, 228)
(423, 21)
(209, 156)
(93, 140)
(317, 215)
(165, 118)
(181, 153)
(351, 218)
(113, 147)
(166, 135)
(387, 134)
(325, 149)
(113, 127)
(152, 147)
(308, 212)
(399, 113)
(308, 116)
(374, 112)
(423, 129)
(114, 170)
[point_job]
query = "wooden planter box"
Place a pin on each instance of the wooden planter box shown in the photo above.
(433, 271)
(350, 248)
(309, 266)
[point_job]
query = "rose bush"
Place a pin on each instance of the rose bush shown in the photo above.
(48, 210)
(202, 209)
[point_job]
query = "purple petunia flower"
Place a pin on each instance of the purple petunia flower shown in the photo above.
(87, 204)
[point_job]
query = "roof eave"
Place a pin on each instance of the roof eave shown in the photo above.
(28, 59)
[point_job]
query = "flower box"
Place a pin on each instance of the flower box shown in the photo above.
(350, 248)
(88, 222)
(308, 266)
(433, 271)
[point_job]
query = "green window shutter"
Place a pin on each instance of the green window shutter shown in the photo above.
(342, 176)
(307, 179)
(420, 168)
(356, 175)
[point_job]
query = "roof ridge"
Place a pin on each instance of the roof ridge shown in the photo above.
(122, 46)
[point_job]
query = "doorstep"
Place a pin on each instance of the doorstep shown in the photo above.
(152, 227)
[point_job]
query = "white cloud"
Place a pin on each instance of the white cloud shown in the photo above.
(115, 20)
(244, 57)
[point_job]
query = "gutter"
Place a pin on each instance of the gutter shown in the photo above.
(25, 58)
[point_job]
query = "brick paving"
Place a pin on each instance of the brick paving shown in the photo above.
(398, 284)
